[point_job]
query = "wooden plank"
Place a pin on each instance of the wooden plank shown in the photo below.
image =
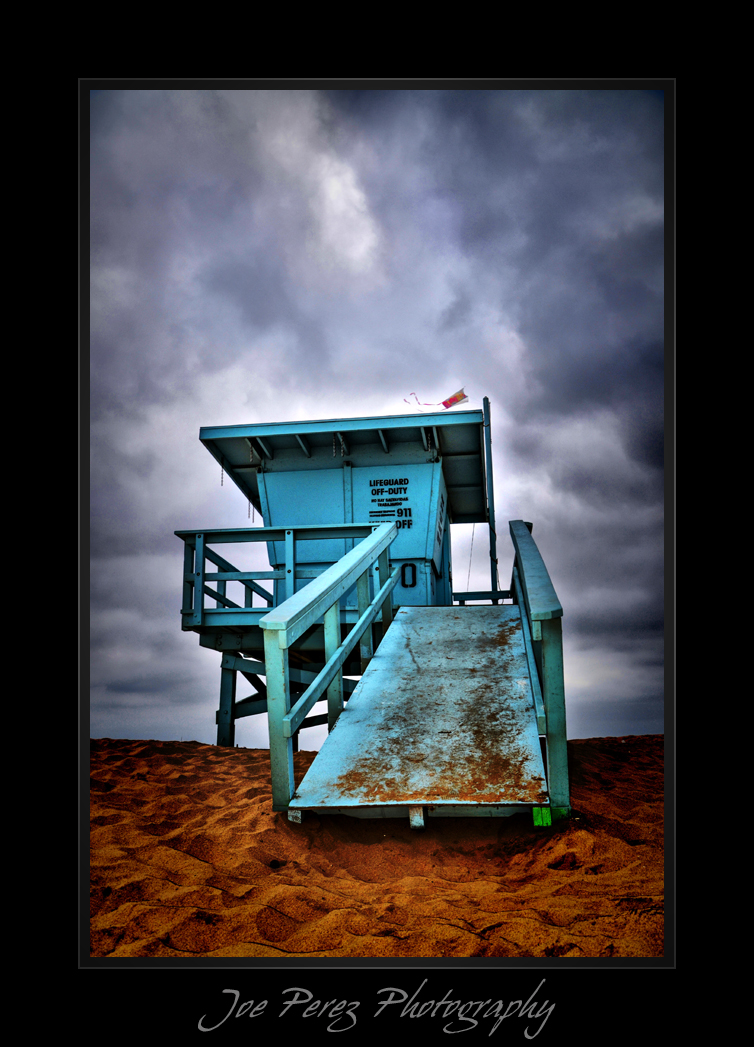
(188, 579)
(365, 643)
(290, 564)
(444, 715)
(199, 568)
(483, 594)
(554, 701)
(335, 687)
(240, 576)
(310, 532)
(533, 669)
(281, 748)
(225, 725)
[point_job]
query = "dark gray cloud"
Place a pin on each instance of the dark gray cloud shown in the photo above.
(260, 256)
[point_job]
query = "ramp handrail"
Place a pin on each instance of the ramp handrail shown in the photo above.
(533, 590)
(541, 599)
(284, 625)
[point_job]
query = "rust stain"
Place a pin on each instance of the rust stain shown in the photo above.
(483, 761)
(505, 636)
(480, 754)
(493, 778)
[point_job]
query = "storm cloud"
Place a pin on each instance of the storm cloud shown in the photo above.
(274, 255)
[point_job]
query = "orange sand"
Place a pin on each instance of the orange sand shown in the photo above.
(188, 859)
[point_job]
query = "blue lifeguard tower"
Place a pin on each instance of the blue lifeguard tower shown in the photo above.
(459, 708)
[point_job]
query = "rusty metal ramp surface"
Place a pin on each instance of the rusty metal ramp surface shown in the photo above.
(442, 718)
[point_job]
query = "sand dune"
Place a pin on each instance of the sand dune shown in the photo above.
(188, 859)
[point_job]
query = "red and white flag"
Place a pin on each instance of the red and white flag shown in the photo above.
(457, 398)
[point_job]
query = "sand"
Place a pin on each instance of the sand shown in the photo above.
(189, 860)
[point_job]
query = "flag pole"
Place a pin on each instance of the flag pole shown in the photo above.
(490, 497)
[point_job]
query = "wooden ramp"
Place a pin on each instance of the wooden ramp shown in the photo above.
(443, 722)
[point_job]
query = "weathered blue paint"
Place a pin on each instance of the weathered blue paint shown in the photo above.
(536, 594)
(225, 718)
(531, 661)
(416, 817)
(539, 593)
(340, 470)
(357, 516)
(443, 716)
(553, 695)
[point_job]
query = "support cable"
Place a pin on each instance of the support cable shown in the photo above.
(471, 553)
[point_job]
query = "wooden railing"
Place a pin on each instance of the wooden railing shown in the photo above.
(197, 574)
(287, 623)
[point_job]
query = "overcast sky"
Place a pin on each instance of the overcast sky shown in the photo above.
(265, 256)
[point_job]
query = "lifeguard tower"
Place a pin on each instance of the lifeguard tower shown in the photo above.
(459, 708)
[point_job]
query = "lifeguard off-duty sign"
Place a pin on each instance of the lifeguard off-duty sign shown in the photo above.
(404, 498)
